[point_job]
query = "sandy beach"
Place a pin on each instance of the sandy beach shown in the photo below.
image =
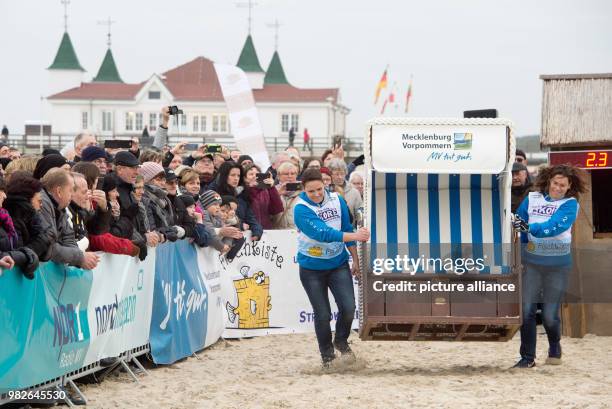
(284, 372)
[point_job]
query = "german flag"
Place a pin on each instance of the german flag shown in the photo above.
(381, 84)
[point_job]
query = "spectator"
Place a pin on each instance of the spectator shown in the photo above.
(200, 235)
(56, 196)
(520, 157)
(307, 143)
(23, 257)
(4, 150)
(244, 160)
(211, 203)
(291, 136)
(79, 210)
(356, 181)
(50, 151)
(26, 164)
(326, 157)
(229, 206)
(277, 159)
(221, 157)
(23, 203)
(159, 207)
(131, 224)
(175, 162)
(312, 163)
(206, 170)
(143, 235)
(135, 148)
(351, 196)
(287, 175)
(14, 153)
(150, 155)
(293, 151)
(327, 179)
(230, 181)
(265, 200)
(82, 141)
(189, 184)
(97, 156)
(5, 133)
(521, 185)
(49, 162)
(181, 216)
(98, 218)
(235, 154)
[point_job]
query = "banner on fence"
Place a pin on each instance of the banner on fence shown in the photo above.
(182, 304)
(44, 329)
(120, 305)
(262, 290)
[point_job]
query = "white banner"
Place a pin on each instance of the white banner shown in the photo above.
(210, 269)
(262, 292)
(244, 118)
(439, 148)
(120, 302)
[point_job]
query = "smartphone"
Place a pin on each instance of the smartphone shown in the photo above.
(191, 146)
(118, 144)
(213, 149)
(337, 141)
(100, 184)
(292, 187)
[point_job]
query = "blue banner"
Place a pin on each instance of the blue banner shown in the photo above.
(180, 304)
(45, 331)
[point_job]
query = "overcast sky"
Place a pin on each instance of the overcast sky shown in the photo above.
(464, 54)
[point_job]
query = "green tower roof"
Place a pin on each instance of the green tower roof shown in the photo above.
(108, 70)
(275, 73)
(66, 58)
(248, 60)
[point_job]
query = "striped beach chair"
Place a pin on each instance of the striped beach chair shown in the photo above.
(433, 214)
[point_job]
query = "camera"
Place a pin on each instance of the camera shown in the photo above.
(174, 110)
(118, 143)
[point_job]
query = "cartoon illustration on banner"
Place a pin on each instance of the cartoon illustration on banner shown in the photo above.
(254, 301)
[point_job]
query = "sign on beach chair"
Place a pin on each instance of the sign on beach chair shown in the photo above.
(440, 263)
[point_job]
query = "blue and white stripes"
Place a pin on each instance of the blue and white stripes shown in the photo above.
(437, 215)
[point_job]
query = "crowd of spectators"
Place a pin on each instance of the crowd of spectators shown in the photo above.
(66, 206)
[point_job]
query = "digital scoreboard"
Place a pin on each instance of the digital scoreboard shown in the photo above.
(591, 159)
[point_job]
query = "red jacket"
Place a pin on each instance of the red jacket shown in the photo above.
(265, 203)
(112, 244)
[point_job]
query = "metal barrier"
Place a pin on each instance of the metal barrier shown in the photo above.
(60, 383)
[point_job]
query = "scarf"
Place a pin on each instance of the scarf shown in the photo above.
(7, 224)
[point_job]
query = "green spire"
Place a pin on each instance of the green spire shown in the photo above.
(108, 70)
(248, 60)
(275, 73)
(66, 58)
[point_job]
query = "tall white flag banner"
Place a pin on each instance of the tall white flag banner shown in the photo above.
(243, 115)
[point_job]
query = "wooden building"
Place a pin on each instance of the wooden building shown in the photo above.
(577, 127)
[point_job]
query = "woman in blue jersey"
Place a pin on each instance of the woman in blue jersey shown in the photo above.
(325, 234)
(545, 219)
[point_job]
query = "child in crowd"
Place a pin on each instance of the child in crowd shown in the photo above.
(228, 216)
(201, 236)
(211, 204)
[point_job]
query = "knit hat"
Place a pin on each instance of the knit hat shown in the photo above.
(48, 162)
(109, 183)
(209, 197)
(242, 158)
(187, 200)
(149, 170)
(92, 153)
